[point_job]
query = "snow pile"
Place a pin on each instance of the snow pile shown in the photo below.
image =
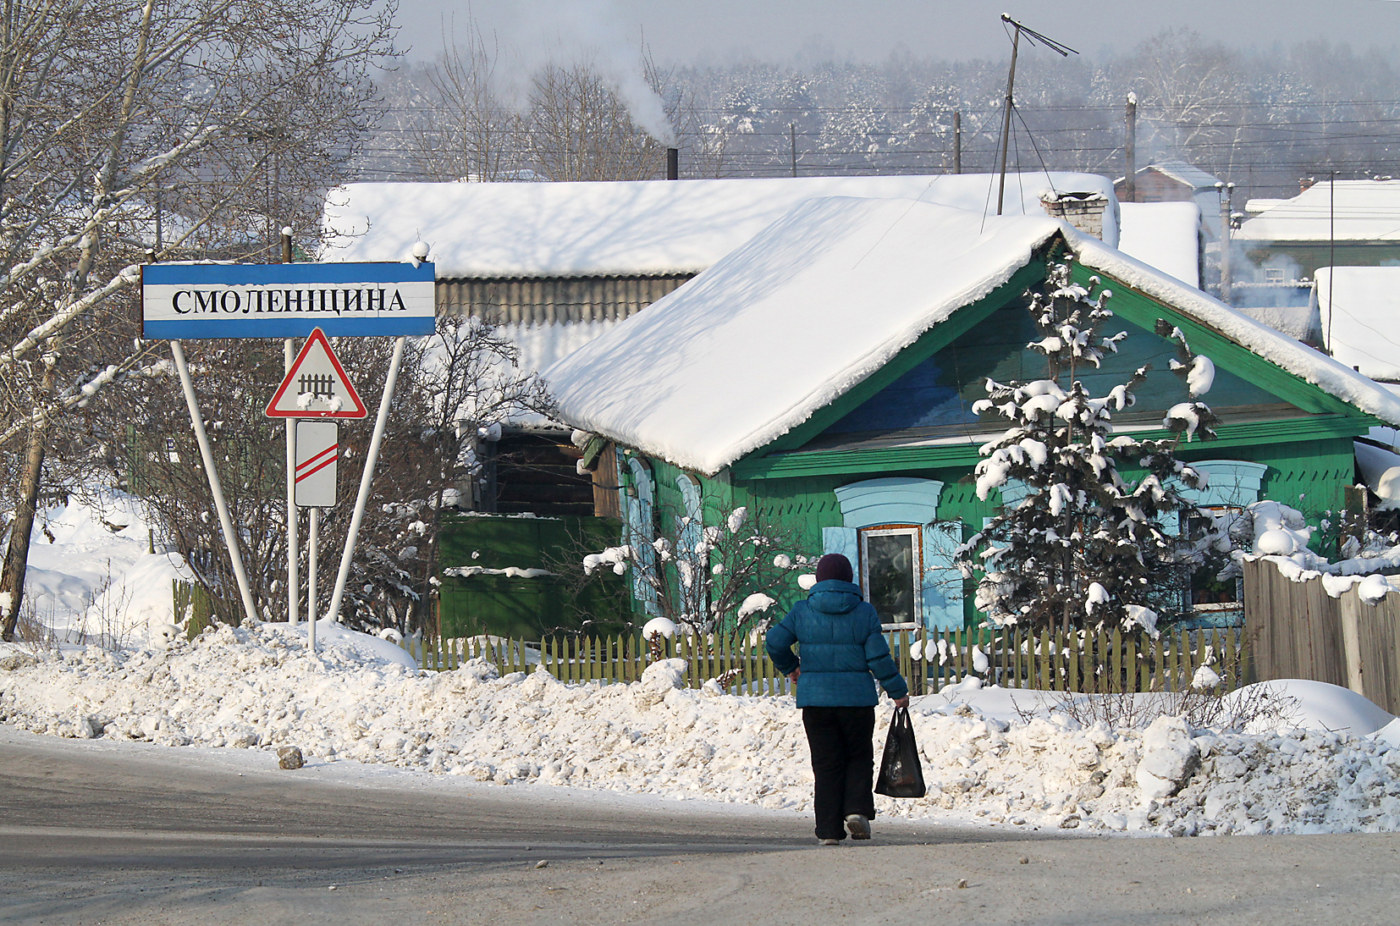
(1326, 761)
(92, 577)
(360, 699)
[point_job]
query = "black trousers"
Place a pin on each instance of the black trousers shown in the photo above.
(843, 761)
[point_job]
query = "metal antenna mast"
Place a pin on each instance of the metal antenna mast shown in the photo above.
(1032, 36)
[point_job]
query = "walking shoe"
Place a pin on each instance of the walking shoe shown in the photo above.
(830, 842)
(858, 826)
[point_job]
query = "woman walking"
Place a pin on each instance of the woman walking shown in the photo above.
(843, 651)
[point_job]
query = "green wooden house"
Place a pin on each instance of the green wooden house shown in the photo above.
(823, 375)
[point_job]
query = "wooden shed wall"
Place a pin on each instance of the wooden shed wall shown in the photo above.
(550, 300)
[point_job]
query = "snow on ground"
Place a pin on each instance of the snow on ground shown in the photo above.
(1325, 760)
(92, 576)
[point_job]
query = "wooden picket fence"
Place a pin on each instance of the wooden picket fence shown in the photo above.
(1098, 663)
(1299, 630)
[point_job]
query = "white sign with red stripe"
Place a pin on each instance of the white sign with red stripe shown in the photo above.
(318, 449)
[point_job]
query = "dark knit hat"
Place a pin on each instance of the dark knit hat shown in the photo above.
(833, 566)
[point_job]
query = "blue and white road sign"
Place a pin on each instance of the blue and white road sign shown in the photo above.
(180, 301)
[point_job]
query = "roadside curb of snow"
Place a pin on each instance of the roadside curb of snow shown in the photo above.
(258, 688)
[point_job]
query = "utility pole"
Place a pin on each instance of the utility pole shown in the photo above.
(1032, 36)
(1130, 152)
(1006, 116)
(1331, 252)
(1226, 191)
(957, 141)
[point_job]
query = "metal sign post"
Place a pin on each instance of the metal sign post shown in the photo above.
(313, 548)
(314, 472)
(315, 387)
(206, 454)
(293, 553)
(365, 479)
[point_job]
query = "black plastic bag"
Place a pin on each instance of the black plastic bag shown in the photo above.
(901, 775)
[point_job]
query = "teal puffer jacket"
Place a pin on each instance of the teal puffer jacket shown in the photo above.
(842, 649)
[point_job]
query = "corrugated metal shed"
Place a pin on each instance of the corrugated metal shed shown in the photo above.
(553, 300)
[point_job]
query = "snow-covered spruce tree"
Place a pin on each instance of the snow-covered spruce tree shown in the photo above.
(1085, 548)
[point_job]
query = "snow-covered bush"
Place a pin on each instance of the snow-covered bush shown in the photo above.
(724, 577)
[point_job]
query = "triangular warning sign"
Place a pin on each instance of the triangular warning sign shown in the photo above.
(316, 386)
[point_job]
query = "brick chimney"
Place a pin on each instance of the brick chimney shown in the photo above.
(1082, 210)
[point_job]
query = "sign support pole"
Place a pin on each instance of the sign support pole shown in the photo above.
(207, 454)
(313, 543)
(366, 478)
(293, 546)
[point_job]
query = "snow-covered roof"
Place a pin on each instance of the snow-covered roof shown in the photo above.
(823, 298)
(1165, 236)
(1360, 210)
(626, 228)
(1259, 205)
(1184, 173)
(1357, 308)
(1334, 378)
(782, 326)
(1380, 468)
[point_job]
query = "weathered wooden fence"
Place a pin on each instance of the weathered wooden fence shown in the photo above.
(1297, 630)
(1109, 662)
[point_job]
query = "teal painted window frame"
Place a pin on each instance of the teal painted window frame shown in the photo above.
(1229, 484)
(908, 501)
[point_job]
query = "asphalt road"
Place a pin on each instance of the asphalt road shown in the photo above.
(93, 833)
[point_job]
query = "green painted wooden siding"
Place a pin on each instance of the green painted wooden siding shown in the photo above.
(489, 601)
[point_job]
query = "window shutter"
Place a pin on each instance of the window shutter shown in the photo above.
(640, 533)
(942, 581)
(843, 540)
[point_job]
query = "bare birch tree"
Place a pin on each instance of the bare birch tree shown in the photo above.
(118, 121)
(475, 134)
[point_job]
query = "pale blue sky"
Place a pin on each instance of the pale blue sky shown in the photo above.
(683, 31)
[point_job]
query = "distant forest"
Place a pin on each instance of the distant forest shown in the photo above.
(1263, 121)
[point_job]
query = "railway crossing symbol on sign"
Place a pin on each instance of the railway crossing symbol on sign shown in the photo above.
(318, 450)
(316, 386)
